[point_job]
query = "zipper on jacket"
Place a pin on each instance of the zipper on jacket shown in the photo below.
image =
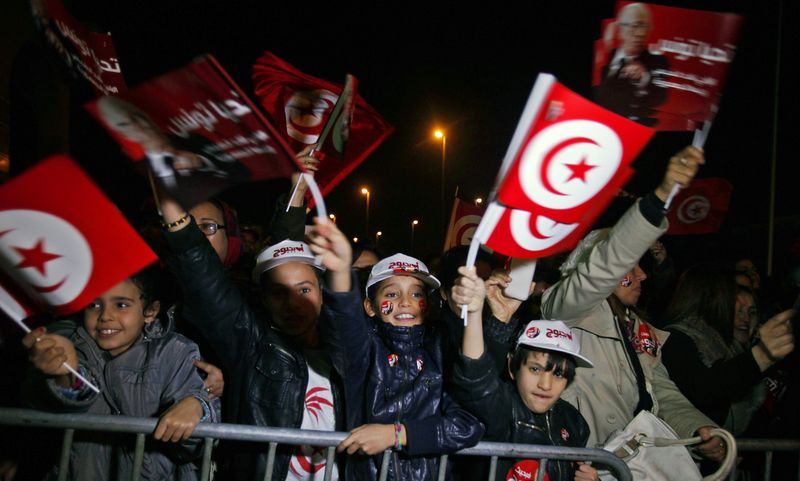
(530, 426)
(549, 436)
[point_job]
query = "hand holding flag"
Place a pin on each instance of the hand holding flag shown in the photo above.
(567, 159)
(58, 254)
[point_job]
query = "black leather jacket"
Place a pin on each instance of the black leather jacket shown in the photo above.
(497, 404)
(265, 374)
(394, 375)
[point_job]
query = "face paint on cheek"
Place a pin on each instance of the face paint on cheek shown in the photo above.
(423, 305)
(626, 281)
(387, 307)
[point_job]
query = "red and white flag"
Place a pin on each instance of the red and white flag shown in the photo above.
(701, 207)
(62, 242)
(572, 155)
(299, 105)
(464, 219)
(567, 160)
(524, 235)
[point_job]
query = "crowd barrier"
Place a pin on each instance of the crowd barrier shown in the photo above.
(272, 437)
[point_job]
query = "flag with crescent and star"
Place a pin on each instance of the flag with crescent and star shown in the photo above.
(701, 207)
(300, 105)
(62, 242)
(567, 160)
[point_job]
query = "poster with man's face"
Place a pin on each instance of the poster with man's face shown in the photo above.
(664, 67)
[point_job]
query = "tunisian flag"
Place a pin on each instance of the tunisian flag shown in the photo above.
(464, 219)
(567, 160)
(701, 207)
(62, 241)
(299, 105)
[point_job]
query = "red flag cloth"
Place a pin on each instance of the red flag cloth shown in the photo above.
(523, 235)
(198, 131)
(573, 158)
(61, 240)
(299, 105)
(701, 207)
(464, 219)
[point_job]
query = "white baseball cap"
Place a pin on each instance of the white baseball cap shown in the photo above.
(401, 265)
(554, 336)
(281, 253)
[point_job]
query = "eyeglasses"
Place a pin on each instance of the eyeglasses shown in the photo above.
(210, 228)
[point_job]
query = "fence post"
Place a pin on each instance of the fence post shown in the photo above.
(66, 447)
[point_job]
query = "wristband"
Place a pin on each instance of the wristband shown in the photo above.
(170, 225)
(398, 428)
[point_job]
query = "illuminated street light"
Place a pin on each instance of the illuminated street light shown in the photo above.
(413, 227)
(439, 134)
(333, 217)
(365, 192)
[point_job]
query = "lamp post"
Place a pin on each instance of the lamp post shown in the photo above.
(332, 217)
(439, 134)
(478, 201)
(413, 227)
(377, 237)
(365, 191)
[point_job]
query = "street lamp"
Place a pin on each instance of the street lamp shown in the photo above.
(355, 240)
(377, 237)
(413, 227)
(439, 134)
(365, 191)
(478, 201)
(333, 217)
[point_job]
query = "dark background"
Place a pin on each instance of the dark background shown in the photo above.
(468, 70)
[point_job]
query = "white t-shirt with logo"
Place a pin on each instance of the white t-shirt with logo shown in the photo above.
(308, 462)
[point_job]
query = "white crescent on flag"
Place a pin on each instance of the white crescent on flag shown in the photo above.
(693, 209)
(568, 163)
(305, 112)
(48, 256)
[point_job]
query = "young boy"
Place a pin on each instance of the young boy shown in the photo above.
(541, 367)
(392, 370)
(142, 368)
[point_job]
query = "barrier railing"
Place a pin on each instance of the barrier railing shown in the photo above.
(769, 447)
(142, 427)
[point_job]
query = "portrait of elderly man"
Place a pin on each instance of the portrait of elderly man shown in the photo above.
(627, 81)
(190, 168)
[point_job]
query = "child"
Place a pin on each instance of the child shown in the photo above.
(142, 368)
(541, 367)
(392, 370)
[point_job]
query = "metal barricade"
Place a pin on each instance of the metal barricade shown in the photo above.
(142, 427)
(769, 447)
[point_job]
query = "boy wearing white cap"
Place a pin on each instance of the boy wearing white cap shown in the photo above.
(392, 372)
(531, 410)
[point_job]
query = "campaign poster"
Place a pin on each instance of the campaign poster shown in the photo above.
(664, 67)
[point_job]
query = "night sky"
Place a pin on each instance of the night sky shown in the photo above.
(468, 70)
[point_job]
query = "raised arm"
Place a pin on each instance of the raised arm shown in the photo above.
(211, 301)
(593, 278)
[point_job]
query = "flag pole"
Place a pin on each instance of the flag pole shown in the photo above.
(154, 190)
(15, 316)
(699, 140)
(774, 168)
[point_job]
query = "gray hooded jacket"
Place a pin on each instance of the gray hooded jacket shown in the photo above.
(144, 381)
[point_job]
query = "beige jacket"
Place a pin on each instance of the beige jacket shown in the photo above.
(607, 394)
